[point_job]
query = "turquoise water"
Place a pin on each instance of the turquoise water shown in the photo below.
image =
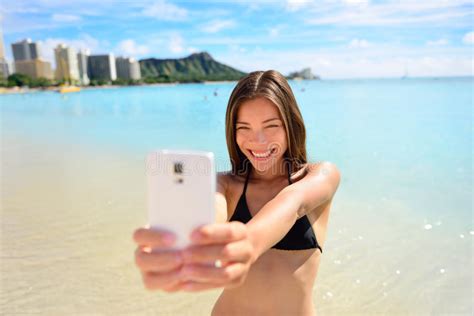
(401, 228)
(399, 137)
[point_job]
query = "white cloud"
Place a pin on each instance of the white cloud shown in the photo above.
(367, 18)
(392, 13)
(176, 44)
(165, 11)
(192, 50)
(356, 2)
(323, 62)
(468, 38)
(84, 41)
(295, 5)
(217, 25)
(128, 47)
(237, 48)
(440, 42)
(274, 32)
(332, 63)
(65, 18)
(359, 43)
(168, 44)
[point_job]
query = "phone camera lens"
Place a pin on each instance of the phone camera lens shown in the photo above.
(178, 167)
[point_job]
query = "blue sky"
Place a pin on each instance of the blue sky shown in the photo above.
(337, 39)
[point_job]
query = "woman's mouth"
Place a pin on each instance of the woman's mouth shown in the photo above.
(262, 155)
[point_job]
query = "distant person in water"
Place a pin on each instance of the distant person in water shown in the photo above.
(272, 208)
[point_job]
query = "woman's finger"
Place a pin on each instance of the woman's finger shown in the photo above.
(219, 233)
(173, 287)
(161, 281)
(239, 251)
(211, 274)
(157, 261)
(153, 238)
(191, 286)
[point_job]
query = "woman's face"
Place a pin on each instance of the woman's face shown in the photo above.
(260, 133)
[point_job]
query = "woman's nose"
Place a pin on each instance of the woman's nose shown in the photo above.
(259, 137)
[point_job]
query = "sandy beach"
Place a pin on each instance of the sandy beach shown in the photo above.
(55, 89)
(73, 191)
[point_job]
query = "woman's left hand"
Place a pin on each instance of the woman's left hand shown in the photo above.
(225, 243)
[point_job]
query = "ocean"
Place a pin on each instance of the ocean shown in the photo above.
(400, 234)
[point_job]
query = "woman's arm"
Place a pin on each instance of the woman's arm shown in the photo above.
(316, 188)
(277, 217)
(238, 245)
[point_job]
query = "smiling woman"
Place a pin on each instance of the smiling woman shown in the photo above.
(272, 209)
(252, 136)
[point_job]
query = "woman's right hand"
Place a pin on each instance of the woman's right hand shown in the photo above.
(158, 263)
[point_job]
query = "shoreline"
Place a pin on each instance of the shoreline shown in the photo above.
(22, 90)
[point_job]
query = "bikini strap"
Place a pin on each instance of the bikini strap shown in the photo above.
(246, 180)
(289, 173)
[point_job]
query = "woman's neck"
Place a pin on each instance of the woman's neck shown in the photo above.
(275, 173)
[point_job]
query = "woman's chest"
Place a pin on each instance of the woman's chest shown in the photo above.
(255, 196)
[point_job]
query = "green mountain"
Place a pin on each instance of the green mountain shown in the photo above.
(194, 68)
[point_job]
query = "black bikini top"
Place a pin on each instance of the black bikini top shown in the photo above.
(301, 236)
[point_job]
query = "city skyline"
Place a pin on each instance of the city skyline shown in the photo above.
(74, 66)
(337, 39)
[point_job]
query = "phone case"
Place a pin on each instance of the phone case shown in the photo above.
(181, 191)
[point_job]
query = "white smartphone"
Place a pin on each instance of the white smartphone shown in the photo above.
(181, 191)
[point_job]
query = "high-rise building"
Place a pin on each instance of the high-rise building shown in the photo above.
(2, 48)
(34, 68)
(4, 71)
(128, 68)
(102, 67)
(82, 58)
(3, 62)
(28, 60)
(66, 63)
(26, 50)
(35, 50)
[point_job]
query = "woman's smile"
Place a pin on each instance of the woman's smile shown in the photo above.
(261, 135)
(262, 155)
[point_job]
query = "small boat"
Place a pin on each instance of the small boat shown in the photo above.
(67, 89)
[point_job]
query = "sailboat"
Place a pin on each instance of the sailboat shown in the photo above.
(405, 74)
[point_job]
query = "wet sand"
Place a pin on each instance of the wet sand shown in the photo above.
(68, 213)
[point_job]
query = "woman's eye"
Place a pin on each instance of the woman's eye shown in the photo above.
(272, 126)
(242, 127)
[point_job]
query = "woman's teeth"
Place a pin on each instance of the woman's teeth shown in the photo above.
(265, 154)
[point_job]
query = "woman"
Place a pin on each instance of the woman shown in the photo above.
(272, 213)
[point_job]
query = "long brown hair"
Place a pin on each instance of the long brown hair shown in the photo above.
(273, 86)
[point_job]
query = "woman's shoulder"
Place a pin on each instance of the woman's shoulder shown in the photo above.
(326, 169)
(227, 177)
(314, 167)
(320, 165)
(229, 180)
(310, 166)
